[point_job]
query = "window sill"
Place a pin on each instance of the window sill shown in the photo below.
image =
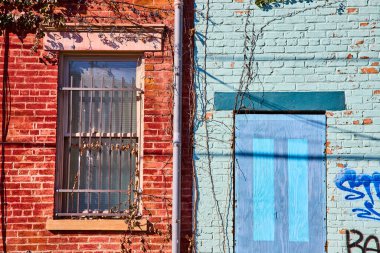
(98, 225)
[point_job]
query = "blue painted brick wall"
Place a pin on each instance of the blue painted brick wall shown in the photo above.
(301, 46)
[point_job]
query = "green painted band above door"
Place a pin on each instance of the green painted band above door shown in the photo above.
(280, 101)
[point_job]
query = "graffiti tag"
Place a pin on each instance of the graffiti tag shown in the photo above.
(373, 240)
(358, 187)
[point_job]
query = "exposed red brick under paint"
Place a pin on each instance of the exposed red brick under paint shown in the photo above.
(369, 70)
(352, 10)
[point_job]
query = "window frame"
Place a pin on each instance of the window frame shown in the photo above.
(63, 80)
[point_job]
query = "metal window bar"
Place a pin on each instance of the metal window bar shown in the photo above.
(91, 190)
(78, 176)
(110, 149)
(100, 141)
(100, 214)
(112, 135)
(121, 140)
(100, 89)
(89, 153)
(131, 178)
(70, 127)
(83, 142)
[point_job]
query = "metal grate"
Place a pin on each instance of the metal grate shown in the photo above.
(100, 140)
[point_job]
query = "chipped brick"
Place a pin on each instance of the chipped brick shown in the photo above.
(369, 71)
(208, 115)
(347, 113)
(359, 42)
(340, 165)
(241, 12)
(149, 67)
(352, 10)
(367, 121)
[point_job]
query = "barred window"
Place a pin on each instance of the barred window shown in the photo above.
(99, 137)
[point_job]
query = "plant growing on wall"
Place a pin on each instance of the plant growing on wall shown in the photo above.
(27, 16)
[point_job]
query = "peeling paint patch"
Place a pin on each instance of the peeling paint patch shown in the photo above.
(347, 113)
(241, 12)
(208, 115)
(352, 10)
(369, 71)
(359, 42)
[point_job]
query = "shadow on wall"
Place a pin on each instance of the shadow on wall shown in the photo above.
(120, 39)
(267, 5)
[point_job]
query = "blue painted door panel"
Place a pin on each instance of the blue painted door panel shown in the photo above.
(280, 183)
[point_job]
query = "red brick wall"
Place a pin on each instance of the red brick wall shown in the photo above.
(30, 160)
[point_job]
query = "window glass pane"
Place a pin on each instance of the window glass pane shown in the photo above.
(92, 73)
(103, 111)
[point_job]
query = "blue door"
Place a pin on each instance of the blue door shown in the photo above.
(280, 199)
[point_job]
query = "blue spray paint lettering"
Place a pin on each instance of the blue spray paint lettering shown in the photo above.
(358, 187)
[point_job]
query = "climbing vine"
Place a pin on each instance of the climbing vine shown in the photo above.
(22, 17)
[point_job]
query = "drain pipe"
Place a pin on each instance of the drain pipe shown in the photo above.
(177, 125)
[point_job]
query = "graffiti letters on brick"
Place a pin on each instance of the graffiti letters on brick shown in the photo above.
(363, 187)
(356, 240)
